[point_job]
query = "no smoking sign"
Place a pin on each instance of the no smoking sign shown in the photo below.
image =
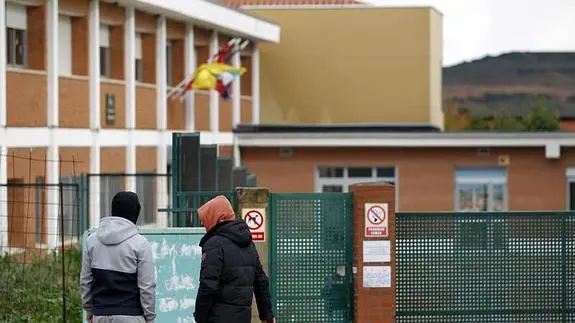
(376, 220)
(255, 219)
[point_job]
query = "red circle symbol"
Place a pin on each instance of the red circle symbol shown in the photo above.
(254, 220)
(376, 215)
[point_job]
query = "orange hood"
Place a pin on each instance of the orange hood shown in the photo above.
(215, 211)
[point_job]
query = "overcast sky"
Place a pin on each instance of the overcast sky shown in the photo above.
(475, 28)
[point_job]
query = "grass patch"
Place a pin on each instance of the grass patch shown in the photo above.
(31, 290)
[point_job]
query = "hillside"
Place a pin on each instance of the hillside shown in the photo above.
(514, 81)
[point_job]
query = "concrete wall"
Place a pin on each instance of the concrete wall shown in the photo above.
(352, 65)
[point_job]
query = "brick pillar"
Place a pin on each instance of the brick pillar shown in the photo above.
(373, 304)
(256, 198)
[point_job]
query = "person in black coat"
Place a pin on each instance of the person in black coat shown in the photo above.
(231, 271)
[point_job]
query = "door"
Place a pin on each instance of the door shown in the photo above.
(16, 213)
(311, 251)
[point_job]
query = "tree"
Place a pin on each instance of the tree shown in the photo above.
(541, 118)
(478, 123)
(455, 119)
(504, 121)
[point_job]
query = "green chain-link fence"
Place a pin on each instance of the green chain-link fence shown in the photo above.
(485, 267)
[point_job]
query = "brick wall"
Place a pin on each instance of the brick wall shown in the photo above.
(36, 34)
(117, 52)
(372, 304)
(80, 46)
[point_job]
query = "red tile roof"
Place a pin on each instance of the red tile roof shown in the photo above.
(238, 3)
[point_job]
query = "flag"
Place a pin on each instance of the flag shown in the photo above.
(216, 74)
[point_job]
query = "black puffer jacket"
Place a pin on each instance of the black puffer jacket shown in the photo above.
(231, 274)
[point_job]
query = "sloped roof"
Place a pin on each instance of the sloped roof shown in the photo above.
(239, 3)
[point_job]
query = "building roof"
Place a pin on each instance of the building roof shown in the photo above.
(212, 15)
(239, 3)
(376, 136)
(330, 128)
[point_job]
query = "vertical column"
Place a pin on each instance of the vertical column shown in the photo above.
(3, 195)
(161, 77)
(236, 107)
(255, 83)
(3, 147)
(3, 107)
(53, 169)
(161, 106)
(130, 79)
(257, 199)
(214, 98)
(374, 303)
(236, 92)
(190, 65)
(94, 69)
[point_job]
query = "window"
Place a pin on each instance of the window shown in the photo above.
(109, 186)
(481, 189)
(16, 22)
(138, 55)
(146, 190)
(169, 62)
(104, 51)
(338, 179)
(71, 209)
(570, 175)
(65, 44)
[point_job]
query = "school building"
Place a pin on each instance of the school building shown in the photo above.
(83, 88)
(365, 105)
(330, 105)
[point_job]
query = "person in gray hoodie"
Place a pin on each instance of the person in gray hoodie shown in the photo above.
(117, 282)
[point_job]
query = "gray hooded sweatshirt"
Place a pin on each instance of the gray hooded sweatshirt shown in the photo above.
(118, 275)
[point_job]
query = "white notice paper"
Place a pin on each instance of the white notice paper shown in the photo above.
(376, 251)
(376, 276)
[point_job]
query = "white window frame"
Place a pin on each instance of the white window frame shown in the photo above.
(139, 69)
(482, 180)
(65, 54)
(345, 181)
(104, 51)
(16, 20)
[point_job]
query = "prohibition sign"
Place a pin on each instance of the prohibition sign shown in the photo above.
(376, 215)
(254, 219)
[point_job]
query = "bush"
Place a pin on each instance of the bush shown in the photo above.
(504, 121)
(541, 118)
(478, 123)
(33, 292)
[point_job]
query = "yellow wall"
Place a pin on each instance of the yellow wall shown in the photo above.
(352, 65)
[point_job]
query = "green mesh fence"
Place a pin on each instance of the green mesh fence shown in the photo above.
(485, 267)
(311, 243)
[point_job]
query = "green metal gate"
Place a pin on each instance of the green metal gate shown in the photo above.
(311, 257)
(485, 267)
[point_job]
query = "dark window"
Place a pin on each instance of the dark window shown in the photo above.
(572, 196)
(15, 42)
(330, 172)
(104, 62)
(139, 71)
(360, 172)
(385, 172)
(332, 189)
(169, 63)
